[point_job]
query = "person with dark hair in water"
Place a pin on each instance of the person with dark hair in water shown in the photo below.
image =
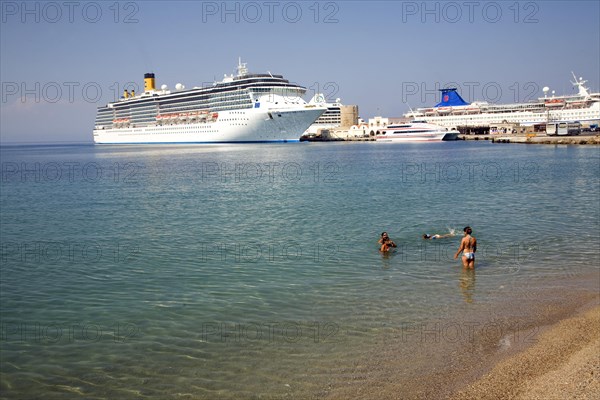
(437, 236)
(468, 246)
(386, 243)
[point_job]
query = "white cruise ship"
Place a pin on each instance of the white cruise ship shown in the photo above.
(331, 118)
(453, 112)
(336, 116)
(244, 108)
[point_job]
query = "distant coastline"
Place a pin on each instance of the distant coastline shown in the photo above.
(58, 143)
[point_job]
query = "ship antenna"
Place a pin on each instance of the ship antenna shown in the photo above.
(583, 91)
(575, 83)
(242, 70)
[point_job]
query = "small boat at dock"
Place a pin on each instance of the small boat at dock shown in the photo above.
(416, 131)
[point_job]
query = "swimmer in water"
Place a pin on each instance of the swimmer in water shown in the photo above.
(437, 236)
(468, 246)
(386, 243)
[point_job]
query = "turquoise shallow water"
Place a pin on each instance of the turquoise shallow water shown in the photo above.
(240, 271)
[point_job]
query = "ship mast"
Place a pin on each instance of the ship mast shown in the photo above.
(242, 70)
(583, 91)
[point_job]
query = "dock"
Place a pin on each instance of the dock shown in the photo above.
(523, 139)
(335, 139)
(536, 139)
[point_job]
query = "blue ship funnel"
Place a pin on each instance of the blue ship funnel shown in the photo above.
(450, 97)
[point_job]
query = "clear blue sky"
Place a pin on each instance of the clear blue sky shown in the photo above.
(61, 60)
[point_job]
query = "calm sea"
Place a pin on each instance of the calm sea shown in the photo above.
(253, 271)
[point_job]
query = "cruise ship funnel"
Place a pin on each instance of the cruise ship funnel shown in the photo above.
(149, 82)
(451, 98)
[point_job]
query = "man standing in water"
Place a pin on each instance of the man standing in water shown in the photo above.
(468, 246)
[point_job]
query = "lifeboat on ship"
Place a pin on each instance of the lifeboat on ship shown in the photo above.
(554, 103)
(577, 104)
(444, 110)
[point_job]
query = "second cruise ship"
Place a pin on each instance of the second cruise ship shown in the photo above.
(242, 108)
(453, 112)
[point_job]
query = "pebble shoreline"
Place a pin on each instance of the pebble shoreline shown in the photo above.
(563, 364)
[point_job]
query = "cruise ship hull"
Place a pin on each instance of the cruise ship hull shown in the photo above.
(424, 137)
(239, 126)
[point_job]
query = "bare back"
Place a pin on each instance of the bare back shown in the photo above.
(468, 244)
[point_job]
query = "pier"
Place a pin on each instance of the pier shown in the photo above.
(320, 138)
(363, 131)
(536, 139)
(508, 138)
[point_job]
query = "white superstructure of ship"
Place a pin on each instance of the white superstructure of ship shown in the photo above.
(242, 108)
(415, 131)
(331, 118)
(452, 111)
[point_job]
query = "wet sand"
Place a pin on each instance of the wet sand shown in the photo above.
(553, 353)
(563, 364)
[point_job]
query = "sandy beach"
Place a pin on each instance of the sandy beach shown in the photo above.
(555, 355)
(563, 364)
